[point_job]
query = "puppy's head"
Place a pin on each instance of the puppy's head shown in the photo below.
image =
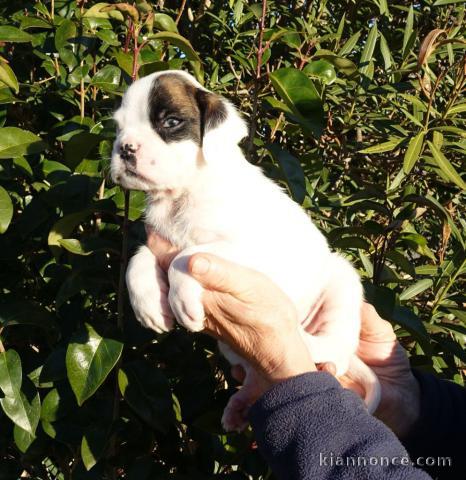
(165, 123)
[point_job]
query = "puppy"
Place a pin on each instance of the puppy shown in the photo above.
(178, 142)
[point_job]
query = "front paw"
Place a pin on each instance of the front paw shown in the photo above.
(235, 415)
(151, 311)
(185, 296)
(148, 292)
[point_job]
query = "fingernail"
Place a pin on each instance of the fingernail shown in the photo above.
(201, 266)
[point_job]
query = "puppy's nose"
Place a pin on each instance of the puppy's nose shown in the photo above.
(128, 151)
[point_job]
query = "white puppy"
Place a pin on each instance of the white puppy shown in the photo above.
(179, 143)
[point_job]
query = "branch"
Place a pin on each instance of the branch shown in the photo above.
(255, 98)
(123, 262)
(2, 348)
(183, 5)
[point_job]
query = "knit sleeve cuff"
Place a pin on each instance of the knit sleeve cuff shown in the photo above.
(293, 389)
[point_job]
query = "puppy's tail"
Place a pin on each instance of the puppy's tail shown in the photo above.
(360, 373)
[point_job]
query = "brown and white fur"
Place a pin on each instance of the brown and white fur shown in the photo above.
(178, 142)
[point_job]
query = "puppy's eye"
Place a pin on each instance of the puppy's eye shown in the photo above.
(171, 122)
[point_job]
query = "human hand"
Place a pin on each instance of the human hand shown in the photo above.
(379, 348)
(247, 311)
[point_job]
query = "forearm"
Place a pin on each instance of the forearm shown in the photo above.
(309, 427)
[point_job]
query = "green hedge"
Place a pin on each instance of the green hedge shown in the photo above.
(356, 107)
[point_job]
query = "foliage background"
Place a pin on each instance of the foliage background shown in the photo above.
(357, 107)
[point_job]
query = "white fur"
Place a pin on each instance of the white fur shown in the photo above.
(227, 206)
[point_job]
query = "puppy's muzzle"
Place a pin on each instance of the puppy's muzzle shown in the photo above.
(128, 153)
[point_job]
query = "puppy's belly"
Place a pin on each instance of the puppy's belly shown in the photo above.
(302, 275)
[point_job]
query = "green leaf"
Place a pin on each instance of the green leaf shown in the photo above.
(15, 142)
(399, 259)
(89, 359)
(79, 147)
(96, 12)
(21, 402)
(439, 3)
(322, 69)
(368, 53)
(343, 65)
(125, 62)
(143, 6)
(23, 439)
(350, 44)
(93, 445)
(382, 147)
(63, 431)
(23, 408)
(24, 312)
(109, 37)
(419, 244)
(256, 9)
(446, 167)
(146, 390)
(238, 11)
(411, 323)
(416, 289)
(34, 22)
(459, 108)
(383, 7)
(108, 78)
(11, 375)
(385, 51)
(292, 172)
(413, 151)
(433, 203)
(301, 96)
(274, 103)
(351, 242)
(65, 31)
(292, 39)
(8, 77)
(165, 23)
(185, 46)
(408, 32)
(57, 404)
(74, 246)
(63, 228)
(13, 34)
(50, 406)
(6, 210)
(129, 11)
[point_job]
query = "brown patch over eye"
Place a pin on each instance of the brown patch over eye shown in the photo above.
(180, 111)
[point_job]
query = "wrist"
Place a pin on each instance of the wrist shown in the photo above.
(294, 359)
(400, 406)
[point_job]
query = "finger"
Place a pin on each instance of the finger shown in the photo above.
(157, 244)
(238, 373)
(215, 273)
(374, 328)
(328, 367)
(166, 259)
(350, 384)
(162, 249)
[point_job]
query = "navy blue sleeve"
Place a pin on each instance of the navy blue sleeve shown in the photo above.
(309, 427)
(438, 439)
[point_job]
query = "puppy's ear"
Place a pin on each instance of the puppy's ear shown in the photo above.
(212, 109)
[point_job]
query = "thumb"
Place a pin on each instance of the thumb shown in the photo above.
(374, 328)
(215, 273)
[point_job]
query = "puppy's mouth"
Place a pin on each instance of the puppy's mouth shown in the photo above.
(133, 173)
(130, 178)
